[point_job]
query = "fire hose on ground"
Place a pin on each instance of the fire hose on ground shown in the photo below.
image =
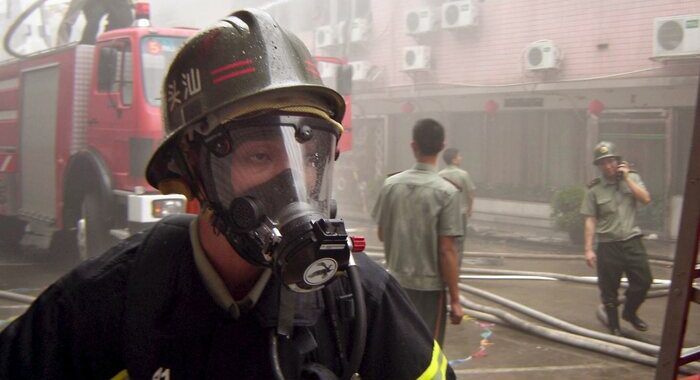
(16, 297)
(495, 315)
(13, 297)
(653, 259)
(642, 347)
(624, 348)
(590, 280)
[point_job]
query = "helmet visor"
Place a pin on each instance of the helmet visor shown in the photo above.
(277, 160)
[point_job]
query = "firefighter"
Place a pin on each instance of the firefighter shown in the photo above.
(610, 211)
(463, 181)
(419, 220)
(118, 16)
(260, 284)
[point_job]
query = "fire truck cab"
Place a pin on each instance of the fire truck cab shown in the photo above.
(77, 126)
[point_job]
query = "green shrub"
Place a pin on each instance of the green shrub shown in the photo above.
(566, 205)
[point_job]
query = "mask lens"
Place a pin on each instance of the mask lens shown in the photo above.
(277, 161)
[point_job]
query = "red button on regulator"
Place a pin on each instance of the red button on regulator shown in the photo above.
(358, 243)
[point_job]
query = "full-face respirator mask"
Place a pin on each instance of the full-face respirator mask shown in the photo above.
(268, 180)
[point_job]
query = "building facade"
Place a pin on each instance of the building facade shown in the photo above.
(525, 89)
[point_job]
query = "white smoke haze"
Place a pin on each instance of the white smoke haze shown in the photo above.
(477, 78)
(189, 13)
(524, 89)
(38, 31)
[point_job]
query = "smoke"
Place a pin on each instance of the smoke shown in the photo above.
(189, 13)
(39, 30)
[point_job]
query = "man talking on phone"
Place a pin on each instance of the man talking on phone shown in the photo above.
(610, 211)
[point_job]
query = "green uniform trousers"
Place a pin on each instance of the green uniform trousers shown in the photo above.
(629, 257)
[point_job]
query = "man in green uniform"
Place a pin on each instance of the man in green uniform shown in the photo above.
(461, 179)
(610, 210)
(418, 217)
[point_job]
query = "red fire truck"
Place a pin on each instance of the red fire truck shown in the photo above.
(78, 124)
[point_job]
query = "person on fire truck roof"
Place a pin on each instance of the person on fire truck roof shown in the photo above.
(251, 134)
(118, 16)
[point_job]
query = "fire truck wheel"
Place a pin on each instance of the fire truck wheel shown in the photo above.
(92, 230)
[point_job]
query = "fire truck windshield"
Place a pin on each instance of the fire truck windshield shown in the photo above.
(157, 52)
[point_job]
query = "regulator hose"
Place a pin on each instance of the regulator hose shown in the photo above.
(275, 356)
(359, 330)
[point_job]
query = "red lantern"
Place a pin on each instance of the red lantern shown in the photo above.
(491, 107)
(596, 107)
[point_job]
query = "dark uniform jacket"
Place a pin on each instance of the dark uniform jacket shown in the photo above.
(142, 307)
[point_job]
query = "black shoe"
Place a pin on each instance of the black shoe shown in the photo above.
(615, 332)
(636, 322)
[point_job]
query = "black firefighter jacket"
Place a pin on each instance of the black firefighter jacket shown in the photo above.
(142, 309)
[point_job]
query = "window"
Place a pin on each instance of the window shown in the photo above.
(156, 54)
(115, 70)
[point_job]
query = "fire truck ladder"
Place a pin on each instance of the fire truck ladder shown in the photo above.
(686, 271)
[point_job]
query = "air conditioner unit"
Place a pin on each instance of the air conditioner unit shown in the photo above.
(359, 30)
(361, 70)
(677, 36)
(416, 58)
(339, 33)
(459, 14)
(324, 36)
(419, 21)
(542, 55)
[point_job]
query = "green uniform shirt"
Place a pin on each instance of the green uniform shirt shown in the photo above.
(414, 208)
(462, 179)
(614, 207)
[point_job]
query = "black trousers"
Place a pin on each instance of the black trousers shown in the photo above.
(616, 258)
(459, 243)
(432, 307)
(118, 16)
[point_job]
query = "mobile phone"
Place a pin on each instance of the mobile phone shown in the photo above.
(619, 173)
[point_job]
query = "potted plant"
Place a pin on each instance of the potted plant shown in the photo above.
(566, 205)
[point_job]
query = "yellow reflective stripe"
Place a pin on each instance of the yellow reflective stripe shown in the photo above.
(437, 369)
(443, 366)
(123, 375)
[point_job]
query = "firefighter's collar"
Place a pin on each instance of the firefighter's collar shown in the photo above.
(608, 182)
(425, 167)
(215, 285)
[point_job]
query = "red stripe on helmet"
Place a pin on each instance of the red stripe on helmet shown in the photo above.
(311, 67)
(231, 66)
(233, 75)
(313, 71)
